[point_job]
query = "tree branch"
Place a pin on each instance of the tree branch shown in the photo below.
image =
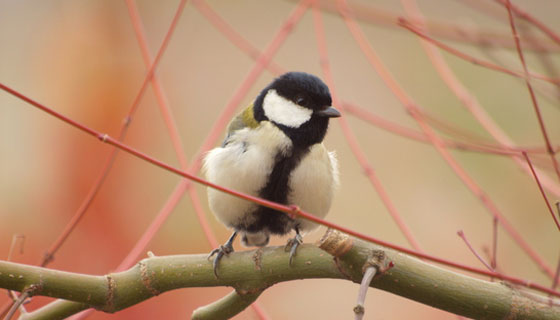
(251, 272)
(227, 307)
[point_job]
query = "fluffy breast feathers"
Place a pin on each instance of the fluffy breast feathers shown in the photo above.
(244, 163)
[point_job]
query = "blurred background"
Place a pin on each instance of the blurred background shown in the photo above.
(82, 59)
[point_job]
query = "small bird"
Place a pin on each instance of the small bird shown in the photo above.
(274, 150)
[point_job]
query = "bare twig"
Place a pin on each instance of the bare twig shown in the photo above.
(542, 190)
(359, 309)
(412, 108)
(524, 15)
(8, 306)
(532, 92)
(17, 303)
(377, 264)
(408, 25)
(461, 234)
(494, 256)
(351, 138)
(444, 29)
(276, 206)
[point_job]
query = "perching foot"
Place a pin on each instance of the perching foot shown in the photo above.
(224, 249)
(293, 244)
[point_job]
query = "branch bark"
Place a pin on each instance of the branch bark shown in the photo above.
(251, 272)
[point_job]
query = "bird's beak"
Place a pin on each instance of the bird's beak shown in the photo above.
(329, 112)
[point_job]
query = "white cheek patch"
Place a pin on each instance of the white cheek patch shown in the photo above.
(284, 111)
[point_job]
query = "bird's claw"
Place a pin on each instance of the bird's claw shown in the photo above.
(220, 252)
(292, 245)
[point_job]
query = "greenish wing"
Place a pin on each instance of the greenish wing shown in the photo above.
(243, 120)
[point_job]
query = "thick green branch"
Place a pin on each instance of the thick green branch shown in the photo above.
(251, 272)
(227, 307)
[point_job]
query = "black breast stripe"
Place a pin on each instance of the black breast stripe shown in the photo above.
(277, 190)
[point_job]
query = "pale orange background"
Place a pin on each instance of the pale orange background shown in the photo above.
(81, 58)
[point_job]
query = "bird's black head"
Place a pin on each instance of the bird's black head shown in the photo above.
(299, 104)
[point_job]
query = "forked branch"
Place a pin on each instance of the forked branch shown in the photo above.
(251, 272)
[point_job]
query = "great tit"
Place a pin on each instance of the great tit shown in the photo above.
(274, 150)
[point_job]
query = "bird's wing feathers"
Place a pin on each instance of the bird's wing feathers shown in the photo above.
(244, 119)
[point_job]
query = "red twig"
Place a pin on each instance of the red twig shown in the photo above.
(170, 124)
(536, 22)
(556, 275)
(48, 256)
(150, 66)
(531, 91)
(218, 126)
(409, 26)
(293, 210)
(239, 41)
(351, 139)
(412, 108)
(461, 234)
(387, 125)
(542, 190)
(448, 30)
(471, 103)
(494, 256)
(211, 139)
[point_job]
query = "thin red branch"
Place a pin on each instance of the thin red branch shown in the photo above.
(156, 84)
(166, 113)
(387, 125)
(217, 128)
(371, 14)
(531, 91)
(292, 210)
(556, 276)
(245, 46)
(461, 234)
(351, 138)
(409, 26)
(70, 226)
(412, 108)
(536, 22)
(494, 256)
(542, 190)
(471, 103)
(263, 60)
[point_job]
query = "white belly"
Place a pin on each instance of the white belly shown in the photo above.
(312, 184)
(242, 165)
(245, 163)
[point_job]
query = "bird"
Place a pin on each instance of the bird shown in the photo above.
(274, 150)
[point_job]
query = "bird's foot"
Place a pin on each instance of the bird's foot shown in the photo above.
(224, 249)
(292, 245)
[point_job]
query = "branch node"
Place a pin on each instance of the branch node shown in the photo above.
(379, 261)
(294, 210)
(146, 280)
(111, 286)
(103, 137)
(336, 243)
(359, 310)
(257, 258)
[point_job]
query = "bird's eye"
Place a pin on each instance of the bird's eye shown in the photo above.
(301, 101)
